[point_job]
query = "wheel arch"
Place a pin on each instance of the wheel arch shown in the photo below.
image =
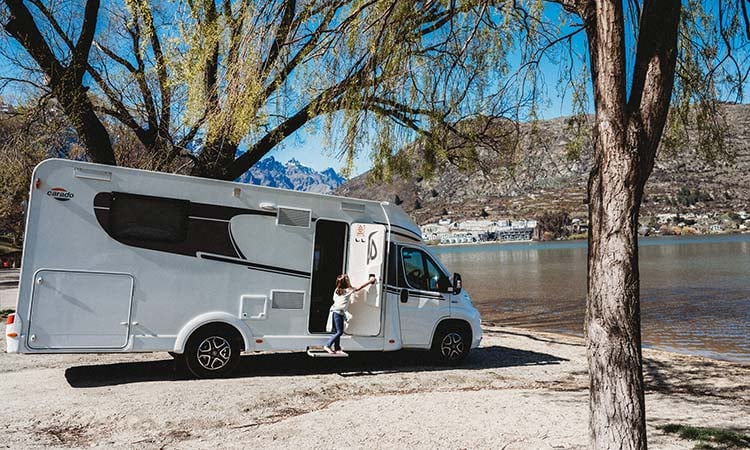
(452, 322)
(221, 318)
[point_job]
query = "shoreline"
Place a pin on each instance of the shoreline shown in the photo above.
(493, 400)
(647, 237)
(709, 355)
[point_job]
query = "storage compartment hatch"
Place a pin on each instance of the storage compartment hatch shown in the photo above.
(80, 310)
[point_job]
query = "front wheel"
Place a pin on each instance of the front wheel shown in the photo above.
(451, 345)
(212, 352)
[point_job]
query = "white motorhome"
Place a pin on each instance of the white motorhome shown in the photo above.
(124, 260)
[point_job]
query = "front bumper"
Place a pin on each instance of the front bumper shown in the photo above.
(477, 339)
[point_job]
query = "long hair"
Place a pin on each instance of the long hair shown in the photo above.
(342, 284)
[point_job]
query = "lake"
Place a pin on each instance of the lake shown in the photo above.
(695, 291)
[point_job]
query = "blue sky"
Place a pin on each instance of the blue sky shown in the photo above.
(309, 147)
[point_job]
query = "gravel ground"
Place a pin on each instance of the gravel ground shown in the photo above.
(520, 390)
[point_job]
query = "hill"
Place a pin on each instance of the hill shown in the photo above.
(540, 174)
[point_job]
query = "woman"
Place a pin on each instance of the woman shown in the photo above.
(341, 298)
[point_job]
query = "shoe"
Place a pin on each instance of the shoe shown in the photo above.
(328, 349)
(342, 353)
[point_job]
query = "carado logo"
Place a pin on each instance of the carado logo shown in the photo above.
(61, 194)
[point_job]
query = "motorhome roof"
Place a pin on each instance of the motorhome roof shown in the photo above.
(210, 180)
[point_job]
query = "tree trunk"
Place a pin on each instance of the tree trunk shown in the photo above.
(613, 328)
(625, 136)
(215, 159)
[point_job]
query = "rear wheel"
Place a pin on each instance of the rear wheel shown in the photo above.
(451, 344)
(213, 351)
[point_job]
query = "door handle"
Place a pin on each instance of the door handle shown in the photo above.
(404, 295)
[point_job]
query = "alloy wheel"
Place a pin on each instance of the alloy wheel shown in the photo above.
(214, 353)
(452, 346)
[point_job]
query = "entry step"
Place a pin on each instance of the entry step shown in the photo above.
(318, 352)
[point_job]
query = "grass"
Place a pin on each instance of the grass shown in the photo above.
(709, 438)
(4, 313)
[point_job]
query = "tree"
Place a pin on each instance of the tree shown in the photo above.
(554, 223)
(632, 92)
(27, 135)
(642, 57)
(350, 57)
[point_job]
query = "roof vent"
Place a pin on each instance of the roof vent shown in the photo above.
(354, 207)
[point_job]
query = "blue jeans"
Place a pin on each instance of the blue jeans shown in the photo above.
(338, 325)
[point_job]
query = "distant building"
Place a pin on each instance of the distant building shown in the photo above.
(481, 230)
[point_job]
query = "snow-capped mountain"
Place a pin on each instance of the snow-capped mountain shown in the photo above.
(292, 175)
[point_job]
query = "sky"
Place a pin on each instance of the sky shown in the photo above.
(309, 147)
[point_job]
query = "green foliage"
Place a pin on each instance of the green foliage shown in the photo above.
(709, 438)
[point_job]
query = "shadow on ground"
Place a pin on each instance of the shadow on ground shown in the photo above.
(291, 364)
(696, 379)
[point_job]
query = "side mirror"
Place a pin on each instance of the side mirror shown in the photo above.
(457, 284)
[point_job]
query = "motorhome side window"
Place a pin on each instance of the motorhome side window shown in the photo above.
(420, 271)
(146, 218)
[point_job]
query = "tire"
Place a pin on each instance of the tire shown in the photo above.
(213, 351)
(451, 344)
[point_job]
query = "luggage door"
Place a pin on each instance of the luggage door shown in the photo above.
(79, 310)
(366, 256)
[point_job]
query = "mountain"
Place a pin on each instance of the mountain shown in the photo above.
(292, 175)
(539, 174)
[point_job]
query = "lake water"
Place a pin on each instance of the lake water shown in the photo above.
(695, 291)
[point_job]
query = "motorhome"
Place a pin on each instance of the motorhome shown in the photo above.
(125, 260)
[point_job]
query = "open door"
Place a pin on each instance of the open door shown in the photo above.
(328, 263)
(366, 257)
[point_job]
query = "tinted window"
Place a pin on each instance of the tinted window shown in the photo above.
(145, 218)
(421, 272)
(414, 268)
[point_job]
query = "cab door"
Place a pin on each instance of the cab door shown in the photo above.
(421, 302)
(366, 257)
